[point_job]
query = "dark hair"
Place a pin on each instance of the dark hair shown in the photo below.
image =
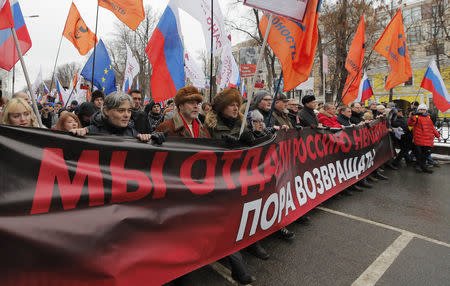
(134, 91)
(342, 109)
(96, 94)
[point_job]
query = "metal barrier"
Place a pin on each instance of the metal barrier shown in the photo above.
(443, 126)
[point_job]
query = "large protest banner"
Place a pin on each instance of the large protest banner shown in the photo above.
(113, 211)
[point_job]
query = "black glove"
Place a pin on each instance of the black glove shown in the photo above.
(230, 140)
(298, 127)
(268, 131)
(159, 137)
(246, 138)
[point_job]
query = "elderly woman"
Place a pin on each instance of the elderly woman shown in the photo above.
(114, 119)
(67, 122)
(18, 112)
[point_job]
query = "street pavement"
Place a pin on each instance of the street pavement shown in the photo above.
(397, 233)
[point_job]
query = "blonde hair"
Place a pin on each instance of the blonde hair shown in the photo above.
(368, 115)
(12, 105)
(62, 120)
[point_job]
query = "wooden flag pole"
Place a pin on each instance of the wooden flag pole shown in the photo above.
(252, 87)
(24, 68)
(212, 53)
(56, 61)
(95, 47)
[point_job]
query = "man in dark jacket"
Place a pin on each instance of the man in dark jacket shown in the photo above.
(280, 112)
(405, 141)
(344, 116)
(138, 116)
(357, 113)
(308, 117)
(97, 98)
(292, 106)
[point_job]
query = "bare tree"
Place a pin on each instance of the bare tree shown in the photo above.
(436, 11)
(66, 73)
(137, 41)
(338, 23)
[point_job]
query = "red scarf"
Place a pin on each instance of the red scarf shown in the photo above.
(195, 127)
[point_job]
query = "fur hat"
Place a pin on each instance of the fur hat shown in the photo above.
(225, 98)
(307, 99)
(422, 106)
(186, 94)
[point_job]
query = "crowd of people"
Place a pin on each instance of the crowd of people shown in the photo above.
(188, 116)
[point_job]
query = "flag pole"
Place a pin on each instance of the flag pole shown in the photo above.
(56, 61)
(274, 99)
(212, 53)
(363, 66)
(24, 68)
(252, 87)
(95, 47)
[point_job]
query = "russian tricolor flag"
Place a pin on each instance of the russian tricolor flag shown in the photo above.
(59, 90)
(46, 91)
(365, 90)
(432, 81)
(8, 52)
(165, 51)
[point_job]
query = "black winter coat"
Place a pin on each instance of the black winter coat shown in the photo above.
(356, 118)
(343, 120)
(308, 117)
(101, 125)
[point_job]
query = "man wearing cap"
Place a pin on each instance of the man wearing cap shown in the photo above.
(280, 112)
(262, 101)
(308, 117)
(423, 136)
(185, 122)
(73, 106)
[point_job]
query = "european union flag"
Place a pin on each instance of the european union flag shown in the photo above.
(104, 77)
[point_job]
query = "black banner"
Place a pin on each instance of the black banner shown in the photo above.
(106, 210)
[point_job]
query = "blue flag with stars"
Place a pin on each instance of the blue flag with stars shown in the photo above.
(104, 77)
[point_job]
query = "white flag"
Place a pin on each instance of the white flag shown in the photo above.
(194, 72)
(131, 70)
(229, 71)
(37, 83)
(201, 11)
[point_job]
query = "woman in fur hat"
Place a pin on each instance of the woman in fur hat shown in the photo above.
(225, 119)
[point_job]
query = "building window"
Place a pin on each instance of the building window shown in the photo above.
(414, 34)
(411, 16)
(435, 31)
(431, 49)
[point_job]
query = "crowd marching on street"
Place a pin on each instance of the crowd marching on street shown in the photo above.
(170, 106)
(187, 115)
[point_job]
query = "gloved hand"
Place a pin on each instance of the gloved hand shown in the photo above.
(246, 138)
(230, 140)
(159, 137)
(268, 131)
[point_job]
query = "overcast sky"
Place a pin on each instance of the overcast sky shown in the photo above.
(45, 32)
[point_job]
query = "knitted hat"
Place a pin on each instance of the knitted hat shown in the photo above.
(259, 96)
(422, 106)
(225, 98)
(186, 94)
(307, 99)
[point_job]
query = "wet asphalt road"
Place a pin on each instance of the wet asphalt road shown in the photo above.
(363, 236)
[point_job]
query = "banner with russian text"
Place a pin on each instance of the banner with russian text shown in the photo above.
(106, 210)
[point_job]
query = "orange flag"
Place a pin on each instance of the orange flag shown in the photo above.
(130, 12)
(392, 46)
(354, 63)
(78, 33)
(294, 44)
